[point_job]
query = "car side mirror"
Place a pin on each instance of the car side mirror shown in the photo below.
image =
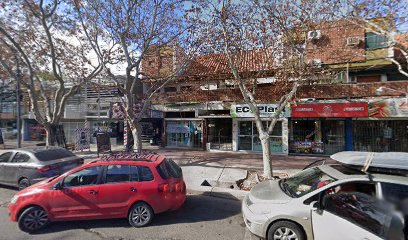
(57, 186)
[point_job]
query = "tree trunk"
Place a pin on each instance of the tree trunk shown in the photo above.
(266, 155)
(137, 136)
(50, 131)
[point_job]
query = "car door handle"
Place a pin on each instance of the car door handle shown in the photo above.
(93, 192)
(132, 189)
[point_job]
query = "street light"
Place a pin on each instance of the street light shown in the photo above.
(379, 91)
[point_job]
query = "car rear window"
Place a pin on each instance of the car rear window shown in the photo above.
(168, 168)
(53, 154)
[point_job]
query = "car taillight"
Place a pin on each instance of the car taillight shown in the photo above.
(178, 187)
(165, 187)
(45, 168)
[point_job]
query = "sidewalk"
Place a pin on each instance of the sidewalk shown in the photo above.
(188, 157)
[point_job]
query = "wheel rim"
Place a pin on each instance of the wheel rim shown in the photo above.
(35, 219)
(140, 215)
(23, 184)
(284, 233)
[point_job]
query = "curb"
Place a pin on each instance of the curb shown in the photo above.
(237, 195)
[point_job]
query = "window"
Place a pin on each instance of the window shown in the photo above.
(145, 174)
(88, 176)
(168, 168)
(20, 158)
(249, 139)
(395, 193)
(375, 41)
(117, 173)
(5, 157)
(361, 210)
(134, 174)
(54, 154)
(170, 89)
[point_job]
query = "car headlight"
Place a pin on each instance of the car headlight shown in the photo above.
(14, 199)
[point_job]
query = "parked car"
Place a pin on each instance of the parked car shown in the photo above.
(135, 187)
(310, 204)
(25, 166)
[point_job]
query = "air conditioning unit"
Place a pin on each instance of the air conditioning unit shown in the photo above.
(315, 62)
(314, 35)
(353, 41)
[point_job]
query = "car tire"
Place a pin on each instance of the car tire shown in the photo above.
(140, 214)
(23, 183)
(33, 219)
(285, 230)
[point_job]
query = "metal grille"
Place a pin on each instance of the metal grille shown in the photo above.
(380, 136)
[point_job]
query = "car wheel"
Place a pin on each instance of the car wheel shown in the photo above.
(23, 183)
(32, 219)
(140, 215)
(284, 230)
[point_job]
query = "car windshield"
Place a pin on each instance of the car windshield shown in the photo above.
(304, 182)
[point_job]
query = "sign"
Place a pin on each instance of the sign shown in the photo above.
(393, 107)
(82, 139)
(243, 110)
(103, 142)
(331, 110)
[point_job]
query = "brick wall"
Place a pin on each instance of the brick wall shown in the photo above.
(331, 47)
(270, 93)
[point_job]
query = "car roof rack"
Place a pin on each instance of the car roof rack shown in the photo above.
(393, 163)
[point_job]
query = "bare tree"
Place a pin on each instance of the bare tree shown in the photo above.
(44, 43)
(274, 27)
(135, 30)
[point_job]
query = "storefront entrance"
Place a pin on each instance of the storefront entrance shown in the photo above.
(220, 133)
(248, 138)
(316, 136)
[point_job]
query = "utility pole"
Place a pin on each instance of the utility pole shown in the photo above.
(18, 104)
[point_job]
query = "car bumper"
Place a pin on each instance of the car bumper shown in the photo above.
(12, 211)
(254, 222)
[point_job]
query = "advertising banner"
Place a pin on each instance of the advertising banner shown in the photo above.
(103, 142)
(82, 139)
(330, 110)
(392, 107)
(243, 110)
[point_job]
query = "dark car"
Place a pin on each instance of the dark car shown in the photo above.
(26, 166)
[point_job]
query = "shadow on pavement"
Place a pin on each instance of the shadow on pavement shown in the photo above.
(197, 208)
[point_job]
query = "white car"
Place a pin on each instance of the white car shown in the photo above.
(335, 202)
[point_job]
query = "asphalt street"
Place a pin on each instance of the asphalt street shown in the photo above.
(201, 217)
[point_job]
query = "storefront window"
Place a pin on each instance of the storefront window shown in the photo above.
(317, 136)
(380, 136)
(249, 140)
(184, 134)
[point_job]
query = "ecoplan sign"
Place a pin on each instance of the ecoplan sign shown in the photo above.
(243, 110)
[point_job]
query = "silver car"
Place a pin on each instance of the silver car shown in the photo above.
(327, 202)
(26, 166)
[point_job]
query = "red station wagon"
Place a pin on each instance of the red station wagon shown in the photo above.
(121, 186)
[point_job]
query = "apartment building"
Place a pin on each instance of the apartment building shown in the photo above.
(362, 107)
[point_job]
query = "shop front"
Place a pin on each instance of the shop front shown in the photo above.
(245, 132)
(386, 129)
(184, 133)
(323, 128)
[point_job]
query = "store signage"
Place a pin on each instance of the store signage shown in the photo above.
(103, 142)
(331, 110)
(82, 139)
(393, 107)
(243, 110)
